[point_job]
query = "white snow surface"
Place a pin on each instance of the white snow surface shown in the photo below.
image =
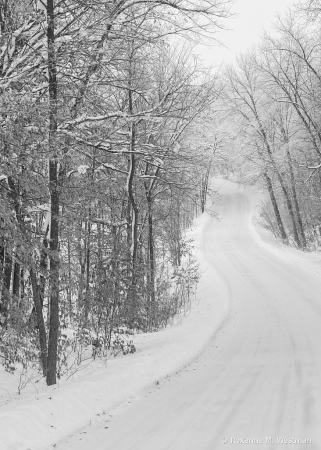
(244, 364)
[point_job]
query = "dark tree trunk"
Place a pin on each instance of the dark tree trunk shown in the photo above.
(87, 286)
(134, 212)
(149, 187)
(290, 208)
(7, 272)
(151, 260)
(69, 276)
(275, 208)
(16, 280)
(151, 250)
(133, 227)
(204, 188)
(54, 200)
(54, 286)
(40, 321)
(4, 287)
(296, 203)
(177, 233)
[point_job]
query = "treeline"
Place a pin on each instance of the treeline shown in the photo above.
(99, 171)
(272, 99)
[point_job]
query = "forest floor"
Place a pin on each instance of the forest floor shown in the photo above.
(242, 369)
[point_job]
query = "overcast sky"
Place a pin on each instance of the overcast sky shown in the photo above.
(251, 17)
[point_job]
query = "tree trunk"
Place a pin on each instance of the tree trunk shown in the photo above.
(134, 211)
(7, 273)
(69, 301)
(177, 234)
(275, 208)
(16, 282)
(290, 208)
(54, 201)
(296, 203)
(204, 188)
(151, 256)
(54, 282)
(87, 286)
(40, 322)
(133, 226)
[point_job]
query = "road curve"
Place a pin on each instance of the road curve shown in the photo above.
(258, 383)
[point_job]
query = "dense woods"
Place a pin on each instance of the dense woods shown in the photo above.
(272, 100)
(100, 171)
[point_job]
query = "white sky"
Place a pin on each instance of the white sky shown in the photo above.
(251, 17)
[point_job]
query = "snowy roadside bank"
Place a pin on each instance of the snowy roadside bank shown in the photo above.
(310, 261)
(39, 421)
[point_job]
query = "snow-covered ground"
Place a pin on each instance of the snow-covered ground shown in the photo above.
(40, 416)
(244, 364)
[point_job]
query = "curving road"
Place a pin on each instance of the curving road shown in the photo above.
(258, 381)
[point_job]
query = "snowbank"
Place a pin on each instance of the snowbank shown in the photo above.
(39, 421)
(310, 261)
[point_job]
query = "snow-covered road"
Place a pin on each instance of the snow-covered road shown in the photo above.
(259, 378)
